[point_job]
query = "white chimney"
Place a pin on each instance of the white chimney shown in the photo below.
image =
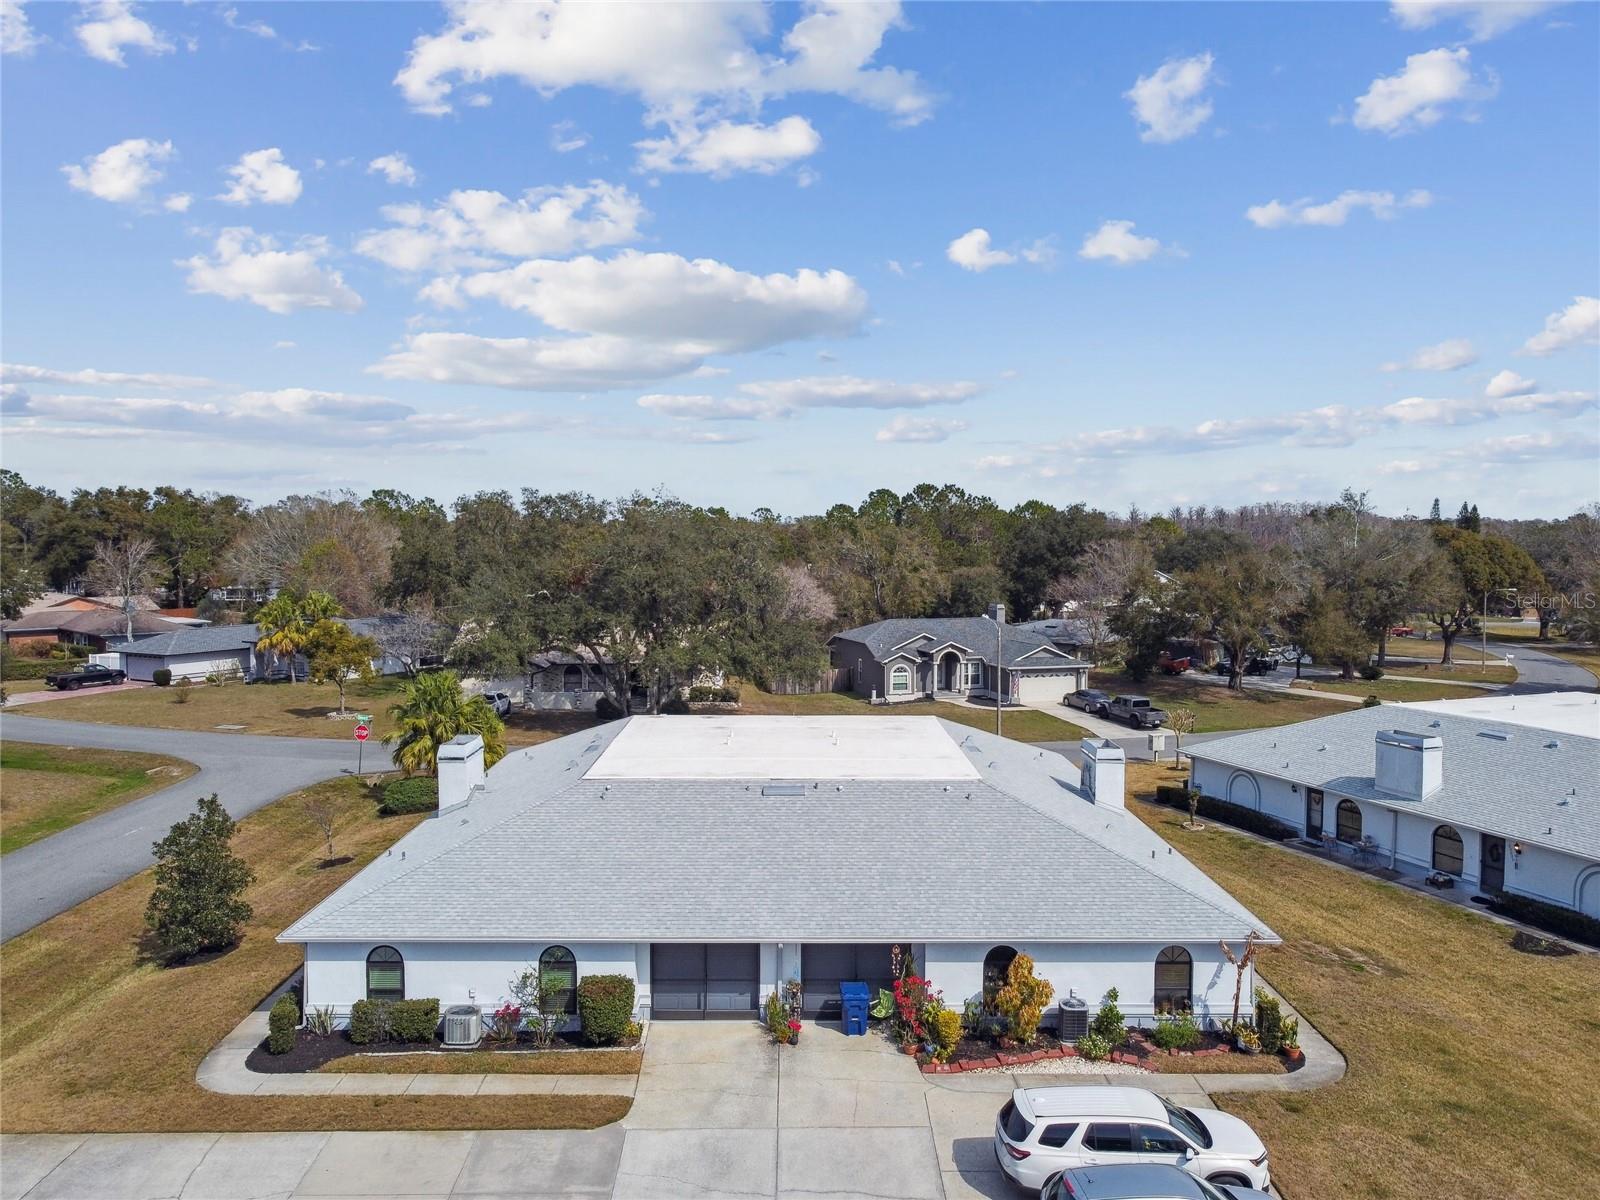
(1105, 770)
(997, 613)
(460, 769)
(1410, 765)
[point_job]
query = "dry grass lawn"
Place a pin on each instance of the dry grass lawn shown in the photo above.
(1392, 688)
(99, 1038)
(44, 789)
(1471, 1065)
(1215, 708)
(1222, 1064)
(281, 709)
(1474, 671)
(491, 1062)
(1023, 724)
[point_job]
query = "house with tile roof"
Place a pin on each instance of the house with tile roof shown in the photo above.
(1501, 794)
(921, 658)
(713, 859)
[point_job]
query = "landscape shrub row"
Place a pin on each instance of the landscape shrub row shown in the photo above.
(1236, 815)
(414, 795)
(605, 1008)
(373, 1021)
(713, 695)
(1561, 921)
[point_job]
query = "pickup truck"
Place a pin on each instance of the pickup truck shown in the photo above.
(1136, 711)
(88, 675)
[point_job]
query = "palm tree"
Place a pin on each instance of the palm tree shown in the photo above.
(281, 630)
(435, 710)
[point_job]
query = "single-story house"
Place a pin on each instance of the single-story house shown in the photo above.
(194, 652)
(714, 859)
(919, 658)
(94, 626)
(574, 681)
(1499, 803)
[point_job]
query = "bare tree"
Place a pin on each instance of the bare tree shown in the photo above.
(804, 598)
(322, 814)
(325, 543)
(1241, 963)
(125, 569)
(411, 635)
(1103, 577)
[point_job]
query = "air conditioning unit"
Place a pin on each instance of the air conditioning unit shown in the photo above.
(463, 1026)
(1073, 1019)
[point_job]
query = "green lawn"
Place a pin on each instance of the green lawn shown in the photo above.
(1392, 688)
(1023, 724)
(1459, 1047)
(44, 789)
(1215, 708)
(1474, 671)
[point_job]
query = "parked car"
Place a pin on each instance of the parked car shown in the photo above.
(1139, 1181)
(500, 702)
(1041, 1132)
(1402, 631)
(1173, 666)
(1256, 666)
(86, 675)
(1136, 711)
(1090, 700)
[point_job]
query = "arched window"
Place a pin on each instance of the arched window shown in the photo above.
(1448, 855)
(995, 965)
(572, 679)
(1174, 980)
(900, 679)
(1349, 821)
(559, 962)
(386, 974)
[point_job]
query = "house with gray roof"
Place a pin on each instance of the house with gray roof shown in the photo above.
(713, 859)
(229, 650)
(1470, 789)
(923, 658)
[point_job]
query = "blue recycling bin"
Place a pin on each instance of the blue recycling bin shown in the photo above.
(853, 1002)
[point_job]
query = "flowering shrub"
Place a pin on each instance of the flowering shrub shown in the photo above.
(1021, 1001)
(507, 1019)
(913, 998)
(778, 1019)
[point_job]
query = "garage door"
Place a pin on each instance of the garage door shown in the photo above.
(824, 967)
(1047, 689)
(695, 981)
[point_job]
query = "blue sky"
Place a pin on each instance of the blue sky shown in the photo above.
(781, 255)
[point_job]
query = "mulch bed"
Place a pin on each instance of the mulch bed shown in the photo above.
(313, 1051)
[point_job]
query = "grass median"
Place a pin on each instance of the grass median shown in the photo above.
(491, 1062)
(1392, 688)
(1217, 709)
(45, 789)
(99, 1037)
(1458, 1045)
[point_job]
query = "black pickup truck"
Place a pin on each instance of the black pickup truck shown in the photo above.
(88, 675)
(1136, 711)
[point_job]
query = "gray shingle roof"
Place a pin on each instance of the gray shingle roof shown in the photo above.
(916, 634)
(543, 852)
(200, 639)
(1537, 787)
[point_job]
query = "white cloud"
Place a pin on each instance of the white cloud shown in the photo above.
(88, 376)
(766, 400)
(245, 265)
(1170, 103)
(123, 173)
(109, 27)
(918, 429)
(395, 168)
(973, 252)
(710, 372)
(262, 176)
(1520, 448)
(1576, 325)
(1484, 19)
(1276, 214)
(260, 29)
(534, 364)
(1116, 242)
(1509, 383)
(16, 34)
(1420, 94)
(283, 345)
(727, 147)
(565, 137)
(480, 228)
(1449, 355)
(178, 202)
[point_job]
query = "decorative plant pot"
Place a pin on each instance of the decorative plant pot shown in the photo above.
(1245, 1048)
(1293, 1053)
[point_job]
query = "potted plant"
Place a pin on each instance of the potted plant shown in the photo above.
(1248, 1040)
(1291, 1039)
(794, 1032)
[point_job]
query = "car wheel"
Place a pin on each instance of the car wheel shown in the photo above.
(69, 687)
(1229, 1180)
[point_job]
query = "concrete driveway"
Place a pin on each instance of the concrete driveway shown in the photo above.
(246, 772)
(45, 695)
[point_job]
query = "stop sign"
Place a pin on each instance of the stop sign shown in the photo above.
(363, 732)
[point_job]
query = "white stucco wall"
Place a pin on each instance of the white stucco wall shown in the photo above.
(188, 666)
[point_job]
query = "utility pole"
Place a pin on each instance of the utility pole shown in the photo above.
(999, 614)
(1483, 632)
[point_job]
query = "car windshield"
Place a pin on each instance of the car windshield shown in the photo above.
(1186, 1123)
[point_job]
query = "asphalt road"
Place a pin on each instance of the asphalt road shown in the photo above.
(1541, 672)
(245, 771)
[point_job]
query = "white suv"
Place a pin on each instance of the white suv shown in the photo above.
(1042, 1131)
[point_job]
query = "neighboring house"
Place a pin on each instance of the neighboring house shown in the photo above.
(93, 626)
(1502, 794)
(713, 859)
(564, 681)
(193, 652)
(930, 657)
(1070, 635)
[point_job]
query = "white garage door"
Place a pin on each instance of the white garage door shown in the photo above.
(1043, 687)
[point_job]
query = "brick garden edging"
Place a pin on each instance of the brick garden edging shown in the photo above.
(1137, 1053)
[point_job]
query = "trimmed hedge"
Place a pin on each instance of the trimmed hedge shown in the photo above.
(414, 795)
(413, 1020)
(605, 1007)
(674, 706)
(161, 676)
(1236, 815)
(369, 1022)
(713, 695)
(1564, 922)
(15, 670)
(605, 709)
(285, 1015)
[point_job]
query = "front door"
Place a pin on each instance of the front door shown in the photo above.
(1492, 874)
(1313, 812)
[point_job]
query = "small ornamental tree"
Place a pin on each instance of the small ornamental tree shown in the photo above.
(335, 655)
(1241, 963)
(542, 997)
(197, 903)
(1022, 999)
(1109, 1022)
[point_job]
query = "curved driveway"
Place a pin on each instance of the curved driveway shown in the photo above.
(1541, 672)
(245, 771)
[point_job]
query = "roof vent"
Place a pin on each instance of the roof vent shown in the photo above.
(1552, 745)
(784, 789)
(1435, 725)
(1494, 735)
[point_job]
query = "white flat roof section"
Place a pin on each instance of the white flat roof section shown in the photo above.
(761, 747)
(1559, 712)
